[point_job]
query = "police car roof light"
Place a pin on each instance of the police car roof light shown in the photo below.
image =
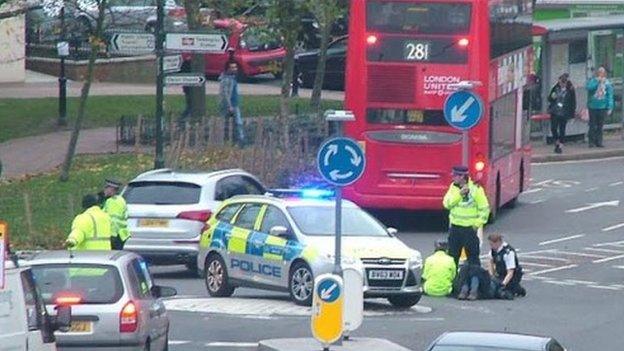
(302, 193)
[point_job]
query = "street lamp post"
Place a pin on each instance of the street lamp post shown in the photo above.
(63, 52)
(159, 161)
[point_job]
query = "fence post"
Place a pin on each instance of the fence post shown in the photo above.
(137, 133)
(28, 213)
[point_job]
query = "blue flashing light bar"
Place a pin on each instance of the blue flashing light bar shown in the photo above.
(303, 193)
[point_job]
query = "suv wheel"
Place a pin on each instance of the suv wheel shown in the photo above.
(217, 277)
(301, 284)
(404, 301)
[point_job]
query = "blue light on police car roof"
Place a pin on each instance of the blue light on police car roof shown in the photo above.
(316, 193)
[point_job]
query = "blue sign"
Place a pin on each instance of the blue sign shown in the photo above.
(463, 109)
(328, 290)
(341, 161)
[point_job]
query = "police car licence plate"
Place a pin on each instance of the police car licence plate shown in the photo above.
(153, 223)
(81, 327)
(385, 275)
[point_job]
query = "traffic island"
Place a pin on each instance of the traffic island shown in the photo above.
(310, 344)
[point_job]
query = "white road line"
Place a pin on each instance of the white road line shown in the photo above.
(609, 259)
(579, 254)
(556, 282)
(542, 182)
(524, 263)
(178, 342)
(544, 258)
(584, 282)
(613, 243)
(618, 267)
(616, 183)
(554, 269)
(603, 287)
(537, 202)
(561, 239)
(531, 191)
(232, 344)
(613, 227)
(604, 250)
(591, 189)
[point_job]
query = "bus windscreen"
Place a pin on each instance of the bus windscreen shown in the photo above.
(417, 17)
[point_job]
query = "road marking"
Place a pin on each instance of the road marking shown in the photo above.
(609, 259)
(604, 250)
(603, 287)
(554, 269)
(584, 282)
(579, 254)
(616, 183)
(557, 282)
(613, 227)
(613, 243)
(530, 191)
(618, 267)
(545, 258)
(178, 342)
(561, 239)
(591, 189)
(591, 206)
(524, 263)
(537, 202)
(231, 344)
(543, 182)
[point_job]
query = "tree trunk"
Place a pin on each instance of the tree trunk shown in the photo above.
(84, 93)
(319, 78)
(289, 64)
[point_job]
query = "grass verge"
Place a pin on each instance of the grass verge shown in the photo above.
(26, 117)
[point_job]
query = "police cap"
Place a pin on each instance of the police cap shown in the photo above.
(112, 183)
(460, 170)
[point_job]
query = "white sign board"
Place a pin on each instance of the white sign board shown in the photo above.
(354, 299)
(132, 43)
(62, 48)
(193, 42)
(185, 79)
(172, 63)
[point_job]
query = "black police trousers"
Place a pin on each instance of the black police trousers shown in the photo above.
(464, 237)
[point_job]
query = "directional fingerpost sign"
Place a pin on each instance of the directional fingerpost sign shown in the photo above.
(327, 308)
(195, 42)
(463, 109)
(132, 43)
(185, 79)
(341, 161)
(172, 63)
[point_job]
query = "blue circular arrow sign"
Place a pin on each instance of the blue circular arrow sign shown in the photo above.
(341, 161)
(463, 109)
(328, 290)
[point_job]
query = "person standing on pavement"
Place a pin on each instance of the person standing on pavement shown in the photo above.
(468, 210)
(115, 206)
(562, 107)
(91, 230)
(228, 93)
(505, 270)
(600, 105)
(439, 271)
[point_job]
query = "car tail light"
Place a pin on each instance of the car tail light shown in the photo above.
(463, 42)
(200, 216)
(67, 299)
(479, 164)
(128, 318)
(177, 12)
(371, 39)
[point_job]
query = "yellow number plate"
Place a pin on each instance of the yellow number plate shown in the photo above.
(81, 327)
(153, 223)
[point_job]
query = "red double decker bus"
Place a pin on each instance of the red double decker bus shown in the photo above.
(404, 58)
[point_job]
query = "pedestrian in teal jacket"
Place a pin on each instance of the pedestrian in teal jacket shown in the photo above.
(600, 105)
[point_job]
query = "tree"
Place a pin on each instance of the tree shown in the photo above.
(326, 12)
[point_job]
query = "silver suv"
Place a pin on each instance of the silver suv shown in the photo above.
(168, 210)
(115, 305)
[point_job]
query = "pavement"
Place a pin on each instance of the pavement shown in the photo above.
(572, 250)
(39, 85)
(613, 146)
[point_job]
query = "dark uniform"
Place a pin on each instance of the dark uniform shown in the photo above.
(502, 264)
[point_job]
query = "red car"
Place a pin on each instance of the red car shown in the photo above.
(254, 53)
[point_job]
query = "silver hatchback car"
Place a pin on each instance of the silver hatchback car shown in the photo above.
(168, 210)
(115, 305)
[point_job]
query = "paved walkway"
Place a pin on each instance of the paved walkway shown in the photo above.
(613, 142)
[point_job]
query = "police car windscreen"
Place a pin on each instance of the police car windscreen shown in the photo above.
(162, 193)
(94, 284)
(320, 220)
(417, 17)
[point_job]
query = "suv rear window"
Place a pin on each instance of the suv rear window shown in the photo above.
(162, 193)
(95, 284)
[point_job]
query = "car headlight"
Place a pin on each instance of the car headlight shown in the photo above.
(415, 260)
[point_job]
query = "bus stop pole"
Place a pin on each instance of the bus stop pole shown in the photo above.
(338, 245)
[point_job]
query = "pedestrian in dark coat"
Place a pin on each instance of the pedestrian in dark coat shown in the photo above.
(562, 107)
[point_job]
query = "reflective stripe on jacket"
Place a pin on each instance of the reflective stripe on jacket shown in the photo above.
(91, 230)
(470, 211)
(116, 208)
(438, 272)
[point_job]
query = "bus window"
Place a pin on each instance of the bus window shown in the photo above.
(420, 18)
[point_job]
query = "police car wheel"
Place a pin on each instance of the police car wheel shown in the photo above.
(404, 301)
(217, 277)
(301, 284)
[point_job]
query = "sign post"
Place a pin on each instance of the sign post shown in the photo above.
(132, 43)
(196, 42)
(327, 309)
(463, 110)
(4, 227)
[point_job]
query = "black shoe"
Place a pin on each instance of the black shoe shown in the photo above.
(599, 145)
(558, 149)
(521, 291)
(462, 295)
(506, 295)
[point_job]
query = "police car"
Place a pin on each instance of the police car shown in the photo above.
(283, 242)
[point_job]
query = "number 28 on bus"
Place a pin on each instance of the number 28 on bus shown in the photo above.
(404, 59)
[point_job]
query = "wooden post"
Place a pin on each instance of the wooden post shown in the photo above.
(28, 213)
(137, 134)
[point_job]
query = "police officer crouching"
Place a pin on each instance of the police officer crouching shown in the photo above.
(505, 269)
(91, 230)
